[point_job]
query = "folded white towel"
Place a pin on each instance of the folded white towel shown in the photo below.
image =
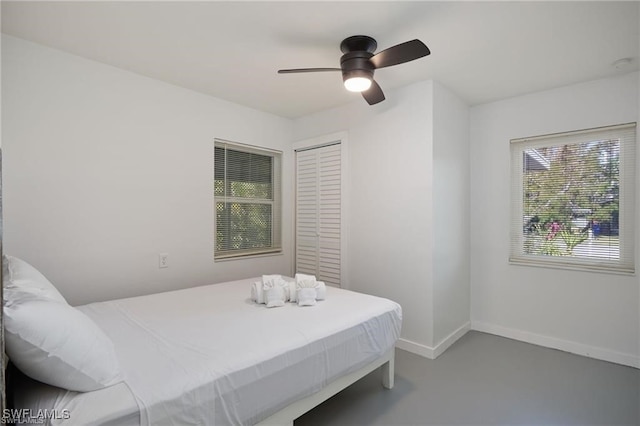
(304, 277)
(306, 284)
(275, 297)
(306, 296)
(321, 290)
(277, 279)
(266, 278)
(306, 289)
(257, 293)
(274, 293)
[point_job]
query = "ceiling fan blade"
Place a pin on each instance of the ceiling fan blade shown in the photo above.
(373, 94)
(298, 70)
(400, 53)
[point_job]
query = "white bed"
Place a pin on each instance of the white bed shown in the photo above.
(209, 355)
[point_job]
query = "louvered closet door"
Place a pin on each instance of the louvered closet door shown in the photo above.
(318, 198)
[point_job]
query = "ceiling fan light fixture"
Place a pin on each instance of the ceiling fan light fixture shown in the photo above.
(357, 80)
(357, 84)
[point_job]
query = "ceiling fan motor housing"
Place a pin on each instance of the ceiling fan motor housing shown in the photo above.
(358, 43)
(357, 64)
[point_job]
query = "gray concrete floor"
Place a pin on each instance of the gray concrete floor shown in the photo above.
(489, 380)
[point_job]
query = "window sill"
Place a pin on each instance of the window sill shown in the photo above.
(228, 257)
(548, 264)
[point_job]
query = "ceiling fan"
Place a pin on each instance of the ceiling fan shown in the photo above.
(359, 63)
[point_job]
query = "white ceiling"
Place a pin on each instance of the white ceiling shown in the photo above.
(483, 51)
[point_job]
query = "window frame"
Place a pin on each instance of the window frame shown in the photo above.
(275, 202)
(626, 263)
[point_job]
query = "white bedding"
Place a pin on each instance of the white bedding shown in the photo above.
(209, 355)
(112, 406)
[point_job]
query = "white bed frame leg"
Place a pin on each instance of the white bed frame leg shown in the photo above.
(388, 372)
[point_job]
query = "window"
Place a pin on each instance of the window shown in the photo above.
(572, 199)
(247, 199)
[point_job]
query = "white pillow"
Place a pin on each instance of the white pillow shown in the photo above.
(22, 280)
(57, 344)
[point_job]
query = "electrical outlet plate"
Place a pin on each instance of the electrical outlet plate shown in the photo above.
(163, 260)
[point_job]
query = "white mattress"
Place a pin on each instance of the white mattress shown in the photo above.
(209, 355)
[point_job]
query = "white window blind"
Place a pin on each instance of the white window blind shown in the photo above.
(247, 200)
(573, 199)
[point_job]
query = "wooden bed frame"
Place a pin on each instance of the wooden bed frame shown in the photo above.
(287, 415)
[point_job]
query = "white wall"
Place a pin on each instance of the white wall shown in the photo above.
(451, 256)
(589, 313)
(104, 169)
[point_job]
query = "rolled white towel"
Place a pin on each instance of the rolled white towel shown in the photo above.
(257, 293)
(293, 292)
(274, 293)
(285, 287)
(321, 290)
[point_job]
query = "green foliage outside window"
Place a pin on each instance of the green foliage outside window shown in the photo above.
(574, 198)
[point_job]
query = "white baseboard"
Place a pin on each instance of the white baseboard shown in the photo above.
(429, 351)
(451, 339)
(415, 348)
(560, 344)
